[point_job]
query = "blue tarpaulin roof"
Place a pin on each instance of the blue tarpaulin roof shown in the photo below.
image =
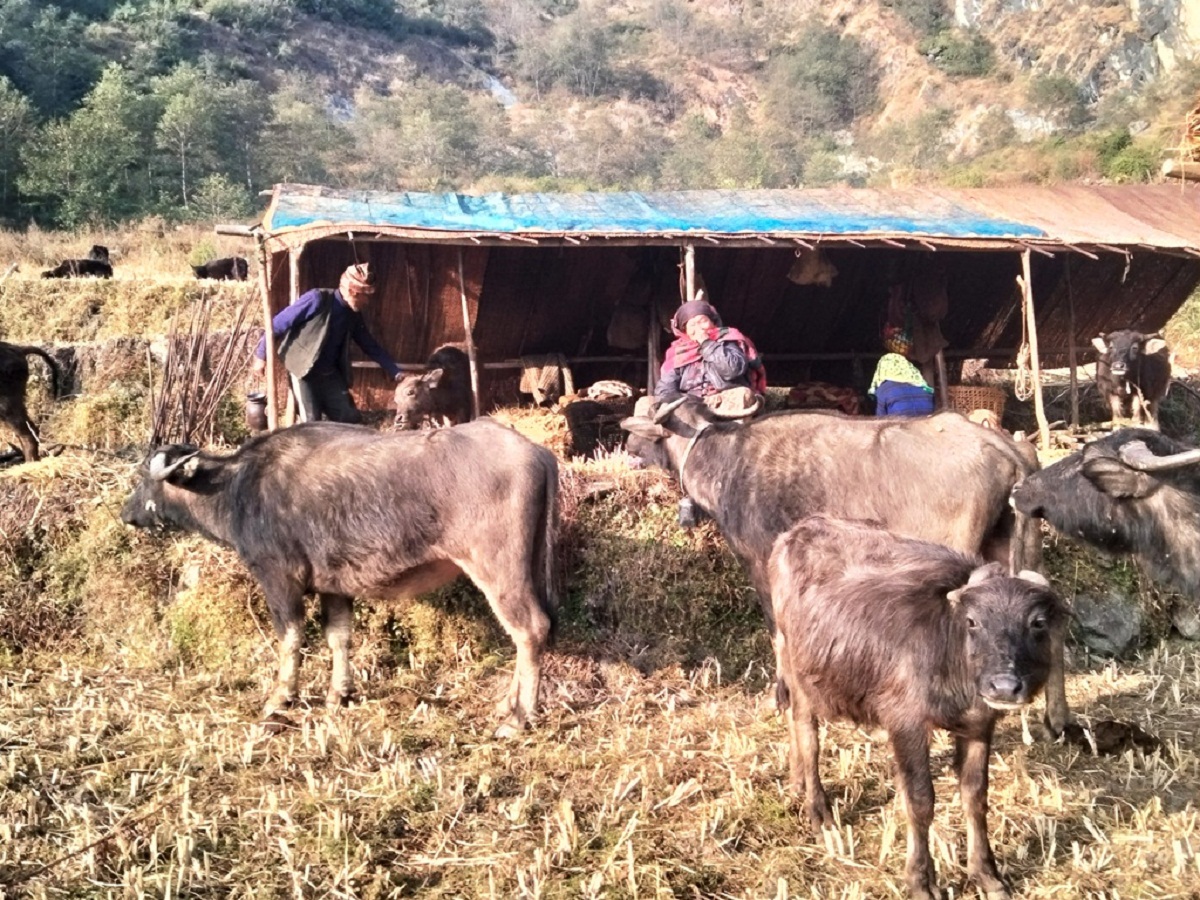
(1147, 215)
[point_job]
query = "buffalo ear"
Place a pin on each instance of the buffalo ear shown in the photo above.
(1115, 478)
(644, 428)
(1100, 344)
(1154, 344)
(433, 377)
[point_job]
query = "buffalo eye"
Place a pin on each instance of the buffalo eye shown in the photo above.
(972, 623)
(1039, 622)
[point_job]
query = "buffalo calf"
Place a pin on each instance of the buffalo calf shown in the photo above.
(891, 632)
(80, 268)
(1133, 373)
(14, 376)
(227, 268)
(343, 511)
(443, 391)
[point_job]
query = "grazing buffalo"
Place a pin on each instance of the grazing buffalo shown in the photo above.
(938, 478)
(1133, 374)
(344, 511)
(80, 268)
(1134, 491)
(14, 377)
(908, 636)
(227, 268)
(443, 391)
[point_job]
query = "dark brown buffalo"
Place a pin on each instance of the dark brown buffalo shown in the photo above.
(14, 378)
(344, 511)
(441, 392)
(939, 478)
(227, 268)
(905, 635)
(80, 268)
(1133, 373)
(1133, 492)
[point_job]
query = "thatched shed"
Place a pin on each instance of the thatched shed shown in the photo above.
(568, 274)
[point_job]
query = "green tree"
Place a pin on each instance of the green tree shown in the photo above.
(17, 125)
(217, 197)
(44, 53)
(825, 81)
(301, 143)
(89, 167)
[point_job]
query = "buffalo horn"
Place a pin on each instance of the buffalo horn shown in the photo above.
(660, 414)
(1033, 577)
(1137, 455)
(160, 471)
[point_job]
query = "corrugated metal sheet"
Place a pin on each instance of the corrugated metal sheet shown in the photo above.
(1160, 216)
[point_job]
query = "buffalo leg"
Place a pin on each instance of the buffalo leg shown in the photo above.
(911, 749)
(17, 419)
(521, 612)
(286, 603)
(337, 619)
(971, 758)
(805, 747)
(1058, 714)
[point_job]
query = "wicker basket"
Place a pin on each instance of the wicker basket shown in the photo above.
(966, 397)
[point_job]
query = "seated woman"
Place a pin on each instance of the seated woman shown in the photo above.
(708, 360)
(898, 386)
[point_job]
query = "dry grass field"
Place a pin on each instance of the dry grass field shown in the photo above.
(133, 667)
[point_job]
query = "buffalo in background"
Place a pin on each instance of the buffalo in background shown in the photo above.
(909, 636)
(1133, 492)
(343, 511)
(1133, 373)
(227, 268)
(14, 376)
(80, 268)
(441, 392)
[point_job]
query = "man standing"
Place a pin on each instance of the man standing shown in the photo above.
(313, 338)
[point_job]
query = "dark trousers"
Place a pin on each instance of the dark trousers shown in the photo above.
(324, 394)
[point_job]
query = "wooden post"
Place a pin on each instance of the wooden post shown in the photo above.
(689, 272)
(1071, 360)
(264, 286)
(466, 313)
(290, 414)
(942, 387)
(652, 338)
(1039, 408)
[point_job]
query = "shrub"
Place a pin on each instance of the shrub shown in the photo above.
(960, 54)
(1133, 163)
(926, 16)
(825, 81)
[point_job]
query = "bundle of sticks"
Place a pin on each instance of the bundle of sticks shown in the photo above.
(1191, 135)
(200, 370)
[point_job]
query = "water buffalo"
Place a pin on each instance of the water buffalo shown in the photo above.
(1133, 373)
(227, 268)
(80, 268)
(14, 377)
(938, 478)
(1134, 491)
(344, 511)
(443, 391)
(906, 635)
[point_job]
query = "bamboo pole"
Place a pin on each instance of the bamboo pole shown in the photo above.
(1039, 407)
(943, 388)
(466, 313)
(264, 285)
(1072, 361)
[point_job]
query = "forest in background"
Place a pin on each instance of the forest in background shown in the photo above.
(186, 109)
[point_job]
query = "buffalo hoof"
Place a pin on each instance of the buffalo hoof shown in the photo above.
(338, 700)
(510, 728)
(277, 723)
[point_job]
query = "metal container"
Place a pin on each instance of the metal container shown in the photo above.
(256, 411)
